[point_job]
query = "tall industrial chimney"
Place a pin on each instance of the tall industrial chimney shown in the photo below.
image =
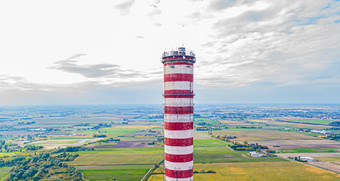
(178, 114)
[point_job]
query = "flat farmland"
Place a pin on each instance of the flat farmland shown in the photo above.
(121, 144)
(290, 124)
(281, 142)
(328, 159)
(126, 173)
(216, 151)
(201, 135)
(310, 150)
(315, 121)
(117, 130)
(138, 138)
(4, 171)
(259, 171)
(118, 163)
(229, 121)
(210, 143)
(55, 143)
(116, 156)
(69, 121)
(314, 155)
(260, 134)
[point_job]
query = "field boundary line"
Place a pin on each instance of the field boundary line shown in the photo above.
(229, 148)
(147, 173)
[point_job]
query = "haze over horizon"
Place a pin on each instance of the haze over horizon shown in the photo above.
(108, 52)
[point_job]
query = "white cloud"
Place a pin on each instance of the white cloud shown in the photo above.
(237, 43)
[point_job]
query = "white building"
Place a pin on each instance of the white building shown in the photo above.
(307, 158)
(254, 154)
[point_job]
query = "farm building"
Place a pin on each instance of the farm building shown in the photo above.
(254, 154)
(321, 132)
(306, 158)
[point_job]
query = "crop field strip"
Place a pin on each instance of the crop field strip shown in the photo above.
(119, 163)
(273, 122)
(315, 121)
(259, 134)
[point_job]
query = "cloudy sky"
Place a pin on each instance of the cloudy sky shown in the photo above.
(108, 51)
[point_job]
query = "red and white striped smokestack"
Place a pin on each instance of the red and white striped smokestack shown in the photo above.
(178, 114)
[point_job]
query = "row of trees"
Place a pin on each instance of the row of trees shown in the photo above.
(247, 147)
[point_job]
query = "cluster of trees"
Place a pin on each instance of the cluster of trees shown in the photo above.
(203, 171)
(109, 140)
(68, 149)
(247, 147)
(249, 127)
(25, 123)
(335, 123)
(335, 137)
(33, 147)
(82, 124)
(224, 137)
(99, 135)
(2, 144)
(67, 157)
(52, 129)
(203, 128)
(40, 166)
(101, 125)
(160, 138)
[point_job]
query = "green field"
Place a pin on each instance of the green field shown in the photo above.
(6, 154)
(212, 121)
(4, 171)
(310, 150)
(119, 174)
(215, 151)
(119, 163)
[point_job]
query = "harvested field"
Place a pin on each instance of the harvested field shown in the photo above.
(307, 121)
(290, 124)
(294, 142)
(259, 134)
(333, 166)
(311, 146)
(259, 171)
(286, 155)
(328, 159)
(201, 135)
(123, 144)
(228, 121)
(309, 150)
(62, 143)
